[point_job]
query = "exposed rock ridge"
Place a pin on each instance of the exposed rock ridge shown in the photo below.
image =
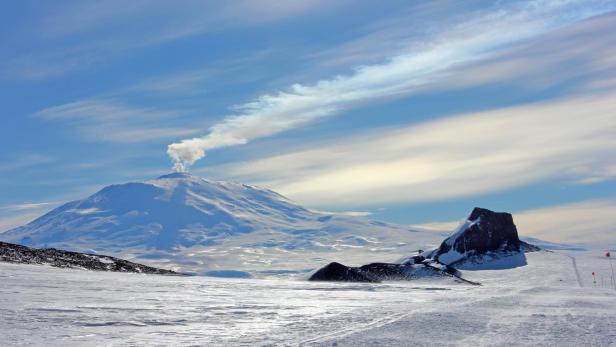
(13, 253)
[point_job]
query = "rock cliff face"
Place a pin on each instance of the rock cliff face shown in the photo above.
(484, 233)
(48, 256)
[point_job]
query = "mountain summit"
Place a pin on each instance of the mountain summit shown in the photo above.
(189, 223)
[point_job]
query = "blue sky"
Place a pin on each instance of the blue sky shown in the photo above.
(413, 112)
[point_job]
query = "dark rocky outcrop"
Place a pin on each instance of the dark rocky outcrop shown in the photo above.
(398, 272)
(485, 232)
(13, 253)
(341, 273)
(488, 231)
(487, 240)
(377, 272)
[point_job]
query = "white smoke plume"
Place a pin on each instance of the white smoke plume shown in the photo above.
(401, 75)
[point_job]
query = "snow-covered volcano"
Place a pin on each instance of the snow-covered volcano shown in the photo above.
(174, 210)
(188, 223)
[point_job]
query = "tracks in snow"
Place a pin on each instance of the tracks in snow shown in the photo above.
(377, 323)
(575, 268)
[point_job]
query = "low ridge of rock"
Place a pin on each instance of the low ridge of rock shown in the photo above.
(337, 272)
(400, 272)
(377, 272)
(19, 254)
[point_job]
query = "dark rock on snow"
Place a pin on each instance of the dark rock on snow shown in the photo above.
(377, 272)
(491, 231)
(417, 259)
(396, 272)
(486, 236)
(341, 273)
(487, 232)
(13, 253)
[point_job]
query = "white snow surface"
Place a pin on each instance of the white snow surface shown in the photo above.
(187, 223)
(541, 304)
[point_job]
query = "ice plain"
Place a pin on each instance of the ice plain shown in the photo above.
(542, 303)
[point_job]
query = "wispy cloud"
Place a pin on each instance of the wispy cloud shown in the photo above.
(18, 161)
(584, 49)
(396, 34)
(347, 213)
(569, 139)
(112, 121)
(50, 63)
(465, 43)
(15, 215)
(81, 17)
(27, 206)
(73, 36)
(585, 222)
(197, 82)
(15, 220)
(203, 17)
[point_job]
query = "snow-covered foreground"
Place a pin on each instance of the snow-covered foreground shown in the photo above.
(538, 304)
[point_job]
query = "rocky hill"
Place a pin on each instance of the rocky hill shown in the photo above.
(484, 237)
(48, 256)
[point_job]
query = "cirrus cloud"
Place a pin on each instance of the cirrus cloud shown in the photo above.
(467, 42)
(570, 139)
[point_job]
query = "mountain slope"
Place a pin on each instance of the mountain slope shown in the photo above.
(189, 223)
